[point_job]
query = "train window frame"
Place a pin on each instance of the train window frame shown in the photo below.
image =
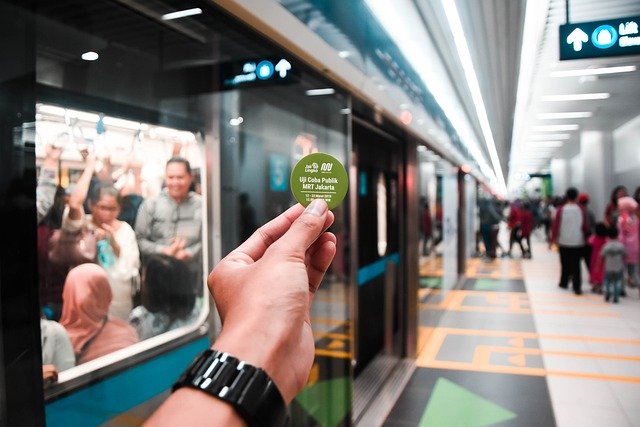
(83, 374)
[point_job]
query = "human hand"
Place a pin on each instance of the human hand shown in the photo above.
(263, 291)
(53, 151)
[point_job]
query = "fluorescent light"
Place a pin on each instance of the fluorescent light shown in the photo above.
(594, 71)
(573, 115)
(90, 56)
(544, 144)
(344, 54)
(52, 110)
(462, 48)
(318, 92)
(236, 121)
(555, 128)
(122, 123)
(181, 14)
(345, 111)
(549, 137)
(577, 97)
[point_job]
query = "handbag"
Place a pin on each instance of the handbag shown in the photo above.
(72, 248)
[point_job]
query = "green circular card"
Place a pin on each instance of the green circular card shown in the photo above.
(319, 176)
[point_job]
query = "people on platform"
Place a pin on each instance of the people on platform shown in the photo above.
(85, 315)
(569, 229)
(526, 228)
(629, 236)
(611, 212)
(426, 227)
(489, 221)
(171, 223)
(596, 267)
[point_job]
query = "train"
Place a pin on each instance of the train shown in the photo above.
(138, 82)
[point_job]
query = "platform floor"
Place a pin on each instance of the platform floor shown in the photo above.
(511, 348)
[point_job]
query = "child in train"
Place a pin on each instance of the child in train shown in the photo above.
(86, 298)
(596, 267)
(613, 254)
(165, 306)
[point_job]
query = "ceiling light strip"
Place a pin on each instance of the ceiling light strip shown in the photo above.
(572, 115)
(576, 97)
(594, 71)
(472, 81)
(181, 14)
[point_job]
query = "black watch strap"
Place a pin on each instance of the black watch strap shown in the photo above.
(247, 388)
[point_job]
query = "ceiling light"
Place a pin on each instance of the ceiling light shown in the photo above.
(555, 128)
(546, 144)
(344, 54)
(319, 92)
(549, 137)
(576, 97)
(236, 121)
(345, 111)
(573, 115)
(594, 71)
(181, 14)
(90, 56)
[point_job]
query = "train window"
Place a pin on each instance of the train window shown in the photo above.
(120, 236)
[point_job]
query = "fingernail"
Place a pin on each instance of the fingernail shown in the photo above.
(317, 207)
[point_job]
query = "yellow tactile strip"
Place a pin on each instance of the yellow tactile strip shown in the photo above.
(518, 355)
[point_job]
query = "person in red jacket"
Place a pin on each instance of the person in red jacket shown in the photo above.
(526, 228)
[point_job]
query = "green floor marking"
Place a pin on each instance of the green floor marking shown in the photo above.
(452, 405)
(430, 282)
(486, 285)
(328, 402)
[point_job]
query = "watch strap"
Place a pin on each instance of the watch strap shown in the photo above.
(247, 388)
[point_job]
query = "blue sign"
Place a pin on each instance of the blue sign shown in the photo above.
(256, 72)
(614, 37)
(278, 172)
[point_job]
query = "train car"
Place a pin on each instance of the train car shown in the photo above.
(133, 84)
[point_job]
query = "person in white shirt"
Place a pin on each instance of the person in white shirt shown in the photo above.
(570, 227)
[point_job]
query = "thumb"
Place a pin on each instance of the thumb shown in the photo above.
(306, 228)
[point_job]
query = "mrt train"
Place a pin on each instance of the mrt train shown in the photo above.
(134, 85)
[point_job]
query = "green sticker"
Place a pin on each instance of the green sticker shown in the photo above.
(319, 176)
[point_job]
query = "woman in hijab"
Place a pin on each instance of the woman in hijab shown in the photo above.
(85, 305)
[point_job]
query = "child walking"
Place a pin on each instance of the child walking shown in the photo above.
(613, 254)
(596, 267)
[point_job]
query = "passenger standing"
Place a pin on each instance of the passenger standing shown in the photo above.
(427, 228)
(568, 232)
(171, 223)
(611, 211)
(583, 201)
(613, 254)
(515, 225)
(526, 227)
(489, 219)
(629, 237)
(596, 270)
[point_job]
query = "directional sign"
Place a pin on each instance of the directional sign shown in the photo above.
(614, 37)
(257, 72)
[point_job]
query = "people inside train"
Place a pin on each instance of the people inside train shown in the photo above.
(47, 181)
(56, 346)
(613, 255)
(596, 267)
(128, 179)
(263, 291)
(165, 306)
(569, 229)
(629, 236)
(116, 244)
(611, 212)
(171, 223)
(85, 315)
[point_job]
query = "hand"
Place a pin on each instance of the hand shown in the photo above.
(177, 245)
(53, 151)
(263, 292)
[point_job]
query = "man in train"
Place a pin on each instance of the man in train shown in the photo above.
(171, 223)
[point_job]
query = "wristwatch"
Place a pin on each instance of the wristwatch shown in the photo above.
(247, 388)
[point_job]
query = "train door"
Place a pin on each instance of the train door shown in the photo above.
(379, 212)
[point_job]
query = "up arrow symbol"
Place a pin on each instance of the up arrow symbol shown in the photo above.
(576, 38)
(282, 67)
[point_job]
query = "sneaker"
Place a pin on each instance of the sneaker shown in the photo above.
(578, 292)
(607, 296)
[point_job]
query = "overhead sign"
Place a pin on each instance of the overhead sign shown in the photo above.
(614, 37)
(256, 72)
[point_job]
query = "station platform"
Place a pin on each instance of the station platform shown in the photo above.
(511, 348)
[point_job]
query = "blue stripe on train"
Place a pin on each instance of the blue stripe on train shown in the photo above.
(100, 402)
(375, 269)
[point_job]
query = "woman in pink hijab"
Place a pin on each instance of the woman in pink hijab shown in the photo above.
(85, 303)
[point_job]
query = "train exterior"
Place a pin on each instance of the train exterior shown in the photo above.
(103, 93)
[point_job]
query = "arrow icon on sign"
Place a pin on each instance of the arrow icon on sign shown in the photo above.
(576, 38)
(282, 67)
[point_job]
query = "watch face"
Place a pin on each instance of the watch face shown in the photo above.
(249, 389)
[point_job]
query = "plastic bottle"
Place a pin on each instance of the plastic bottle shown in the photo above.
(106, 257)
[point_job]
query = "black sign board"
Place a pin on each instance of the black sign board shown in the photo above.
(613, 37)
(257, 72)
